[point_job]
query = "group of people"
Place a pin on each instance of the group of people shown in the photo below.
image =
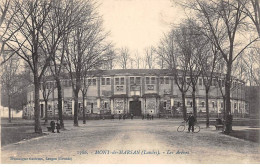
(58, 127)
(148, 117)
(124, 116)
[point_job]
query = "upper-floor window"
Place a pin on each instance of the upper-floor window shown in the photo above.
(89, 81)
(161, 80)
(138, 80)
(200, 81)
(103, 81)
(167, 80)
(94, 81)
(116, 81)
(108, 81)
(147, 80)
(152, 80)
(132, 80)
(214, 82)
(122, 81)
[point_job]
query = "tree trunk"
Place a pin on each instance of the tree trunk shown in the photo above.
(46, 110)
(9, 108)
(207, 108)
(84, 113)
(60, 102)
(194, 106)
(224, 107)
(37, 126)
(184, 106)
(227, 92)
(76, 105)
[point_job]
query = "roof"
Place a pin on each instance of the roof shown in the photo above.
(128, 72)
(131, 72)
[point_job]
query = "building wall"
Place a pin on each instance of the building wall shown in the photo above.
(114, 93)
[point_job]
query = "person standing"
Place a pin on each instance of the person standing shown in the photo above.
(191, 121)
(52, 124)
(58, 126)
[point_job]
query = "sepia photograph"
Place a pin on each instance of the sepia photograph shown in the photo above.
(130, 81)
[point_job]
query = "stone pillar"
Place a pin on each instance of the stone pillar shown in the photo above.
(172, 102)
(157, 85)
(112, 105)
(98, 104)
(127, 85)
(143, 86)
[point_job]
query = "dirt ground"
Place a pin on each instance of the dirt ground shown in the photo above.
(131, 142)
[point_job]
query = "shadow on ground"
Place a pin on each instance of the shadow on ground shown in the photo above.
(248, 134)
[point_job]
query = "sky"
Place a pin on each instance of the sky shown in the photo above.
(138, 24)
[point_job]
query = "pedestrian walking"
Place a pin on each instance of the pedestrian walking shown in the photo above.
(191, 121)
(143, 117)
(152, 117)
(52, 124)
(119, 117)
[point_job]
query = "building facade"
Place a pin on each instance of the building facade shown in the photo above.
(138, 91)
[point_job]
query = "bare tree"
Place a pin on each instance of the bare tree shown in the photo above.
(8, 11)
(124, 57)
(95, 58)
(208, 63)
(149, 57)
(85, 50)
(9, 79)
(27, 41)
(137, 60)
(4, 11)
(248, 66)
(64, 16)
(46, 88)
(222, 22)
(252, 10)
(170, 51)
(111, 54)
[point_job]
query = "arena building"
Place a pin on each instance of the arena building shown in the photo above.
(137, 91)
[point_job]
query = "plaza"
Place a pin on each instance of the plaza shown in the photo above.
(132, 141)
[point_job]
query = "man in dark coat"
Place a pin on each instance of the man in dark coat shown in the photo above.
(52, 126)
(191, 120)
